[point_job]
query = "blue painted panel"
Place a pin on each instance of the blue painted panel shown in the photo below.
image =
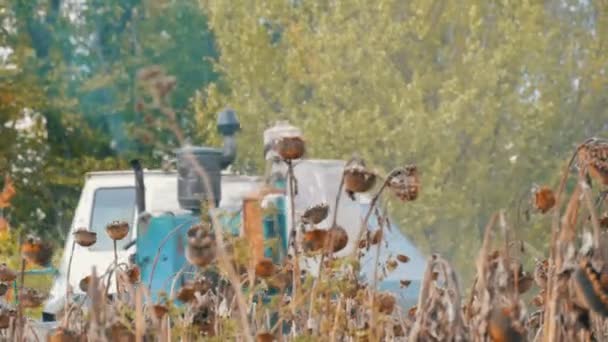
(172, 248)
(171, 257)
(275, 226)
(271, 221)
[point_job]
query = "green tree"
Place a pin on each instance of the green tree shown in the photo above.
(72, 66)
(487, 97)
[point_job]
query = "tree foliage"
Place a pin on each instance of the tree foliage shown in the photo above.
(488, 97)
(70, 68)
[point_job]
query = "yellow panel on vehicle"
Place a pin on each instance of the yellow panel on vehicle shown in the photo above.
(252, 221)
(253, 216)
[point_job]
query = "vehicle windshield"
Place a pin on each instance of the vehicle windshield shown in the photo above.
(110, 204)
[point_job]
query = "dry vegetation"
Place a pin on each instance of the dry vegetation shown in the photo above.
(231, 298)
(231, 295)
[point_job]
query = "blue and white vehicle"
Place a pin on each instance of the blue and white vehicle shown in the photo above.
(160, 209)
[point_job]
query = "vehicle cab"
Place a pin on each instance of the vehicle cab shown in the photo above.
(111, 195)
(160, 206)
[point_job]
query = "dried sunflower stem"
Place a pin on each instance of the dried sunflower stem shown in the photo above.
(112, 269)
(528, 247)
(594, 220)
(452, 283)
(422, 298)
(483, 252)
(364, 226)
(292, 209)
(471, 299)
(221, 252)
(96, 312)
(20, 322)
(298, 302)
(334, 329)
(337, 201)
(372, 205)
(569, 219)
(174, 280)
(313, 292)
(480, 284)
(508, 265)
(549, 325)
(251, 277)
(519, 200)
(115, 268)
(67, 288)
(227, 266)
(139, 316)
(33, 332)
(375, 284)
(74, 307)
(331, 243)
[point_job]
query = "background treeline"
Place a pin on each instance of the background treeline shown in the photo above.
(487, 97)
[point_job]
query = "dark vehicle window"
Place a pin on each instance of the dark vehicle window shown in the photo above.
(110, 204)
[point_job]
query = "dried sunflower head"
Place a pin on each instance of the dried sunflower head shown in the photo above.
(36, 251)
(160, 310)
(31, 298)
(504, 326)
(201, 249)
(85, 237)
(119, 332)
(540, 272)
(357, 178)
(588, 289)
(316, 213)
(403, 258)
(186, 293)
(204, 320)
(405, 183)
(337, 239)
(62, 334)
(6, 274)
(376, 237)
(265, 337)
(134, 274)
(314, 240)
(391, 265)
(385, 303)
(604, 221)
(5, 319)
(84, 284)
(290, 147)
(117, 230)
(264, 268)
(592, 159)
(544, 199)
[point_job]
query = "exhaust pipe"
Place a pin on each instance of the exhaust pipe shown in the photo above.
(227, 126)
(140, 188)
